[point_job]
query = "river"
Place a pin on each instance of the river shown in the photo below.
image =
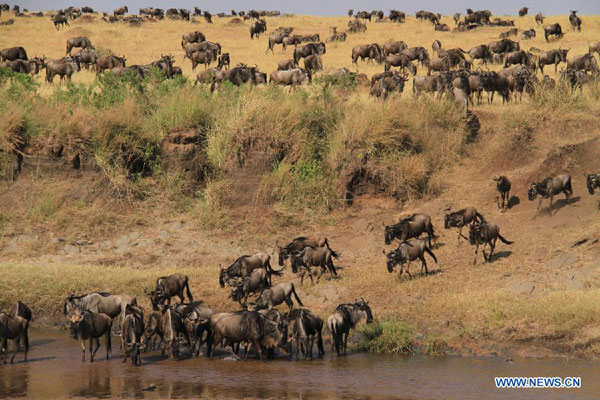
(55, 370)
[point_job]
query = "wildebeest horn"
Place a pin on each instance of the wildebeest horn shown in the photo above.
(383, 251)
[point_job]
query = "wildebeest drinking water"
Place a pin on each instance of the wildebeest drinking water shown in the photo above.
(410, 227)
(459, 219)
(169, 286)
(15, 329)
(550, 187)
(132, 331)
(407, 252)
(486, 234)
(87, 325)
(503, 186)
(344, 318)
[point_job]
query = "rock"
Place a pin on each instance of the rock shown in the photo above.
(163, 235)
(123, 241)
(144, 243)
(561, 261)
(107, 244)
(70, 249)
(135, 235)
(177, 226)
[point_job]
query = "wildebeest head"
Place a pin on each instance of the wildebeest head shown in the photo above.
(223, 277)
(392, 259)
(364, 307)
(563, 54)
(75, 320)
(593, 181)
(451, 220)
(389, 234)
(532, 192)
(475, 233)
(155, 298)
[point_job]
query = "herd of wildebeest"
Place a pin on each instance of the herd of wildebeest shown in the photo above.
(259, 325)
(448, 70)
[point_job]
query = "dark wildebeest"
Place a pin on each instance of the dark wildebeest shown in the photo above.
(208, 17)
(190, 48)
(308, 49)
(256, 282)
(517, 57)
(132, 332)
(192, 37)
(456, 18)
(459, 219)
(109, 62)
(60, 20)
(304, 324)
(585, 62)
(553, 29)
(120, 11)
(247, 326)
(503, 46)
(575, 20)
(278, 294)
(15, 329)
(195, 317)
(344, 318)
(223, 61)
(370, 52)
(260, 26)
(528, 34)
(284, 65)
(87, 10)
(87, 325)
(13, 53)
(169, 286)
(388, 82)
(417, 53)
(539, 18)
(481, 52)
(407, 252)
(410, 227)
(486, 234)
(363, 15)
(300, 243)
(244, 265)
(503, 187)
(438, 64)
(436, 46)
(79, 41)
(21, 66)
(523, 11)
(394, 47)
(350, 13)
(314, 257)
(550, 187)
(510, 32)
(399, 60)
(201, 57)
(397, 16)
(313, 63)
(592, 182)
(555, 57)
(86, 57)
(21, 309)
(170, 327)
(441, 27)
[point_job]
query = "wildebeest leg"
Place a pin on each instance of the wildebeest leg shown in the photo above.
(345, 341)
(17, 345)
(97, 347)
(289, 302)
(408, 269)
(82, 343)
(257, 345)
(424, 265)
(459, 233)
(476, 249)
(539, 204)
(551, 201)
(492, 247)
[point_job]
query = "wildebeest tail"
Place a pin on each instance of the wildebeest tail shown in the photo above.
(504, 240)
(320, 343)
(431, 254)
(187, 288)
(332, 267)
(568, 186)
(296, 296)
(334, 253)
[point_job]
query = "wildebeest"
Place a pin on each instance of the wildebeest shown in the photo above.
(592, 182)
(79, 41)
(574, 20)
(427, 84)
(550, 187)
(539, 18)
(554, 29)
(555, 57)
(523, 11)
(370, 52)
(87, 325)
(305, 325)
(356, 26)
(109, 62)
(407, 252)
(485, 234)
(244, 265)
(344, 318)
(438, 64)
(260, 26)
(314, 257)
(387, 82)
(21, 309)
(410, 227)
(192, 37)
(169, 286)
(517, 57)
(201, 57)
(337, 37)
(169, 327)
(256, 282)
(278, 294)
(308, 49)
(399, 60)
(503, 46)
(300, 243)
(481, 52)
(417, 53)
(21, 66)
(441, 27)
(120, 11)
(313, 63)
(594, 48)
(510, 32)
(503, 187)
(284, 65)
(15, 329)
(64, 67)
(105, 303)
(86, 57)
(528, 34)
(60, 20)
(208, 17)
(223, 61)
(459, 219)
(276, 39)
(132, 332)
(585, 62)
(13, 53)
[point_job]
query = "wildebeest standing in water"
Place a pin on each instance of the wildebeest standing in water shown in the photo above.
(132, 331)
(86, 325)
(169, 286)
(21, 309)
(344, 318)
(461, 218)
(405, 253)
(503, 186)
(550, 187)
(304, 325)
(15, 329)
(485, 234)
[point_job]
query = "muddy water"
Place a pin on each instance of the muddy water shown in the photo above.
(55, 370)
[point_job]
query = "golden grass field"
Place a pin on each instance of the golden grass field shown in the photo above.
(538, 297)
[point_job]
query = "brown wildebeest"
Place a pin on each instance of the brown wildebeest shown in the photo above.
(171, 327)
(436, 46)
(523, 11)
(486, 234)
(399, 60)
(517, 57)
(417, 53)
(207, 76)
(313, 257)
(86, 57)
(313, 63)
(260, 26)
(112, 305)
(308, 49)
(256, 282)
(276, 39)
(539, 18)
(424, 84)
(120, 11)
(60, 20)
(410, 227)
(481, 52)
(132, 332)
(555, 57)
(304, 324)
(594, 48)
(370, 52)
(192, 37)
(554, 29)
(300, 243)
(550, 187)
(64, 67)
(15, 329)
(407, 252)
(290, 77)
(459, 219)
(438, 64)
(575, 20)
(388, 82)
(528, 34)
(284, 65)
(585, 62)
(87, 325)
(278, 294)
(109, 62)
(78, 41)
(344, 318)
(169, 286)
(201, 57)
(244, 265)
(21, 309)
(224, 61)
(22, 66)
(13, 53)
(503, 187)
(394, 47)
